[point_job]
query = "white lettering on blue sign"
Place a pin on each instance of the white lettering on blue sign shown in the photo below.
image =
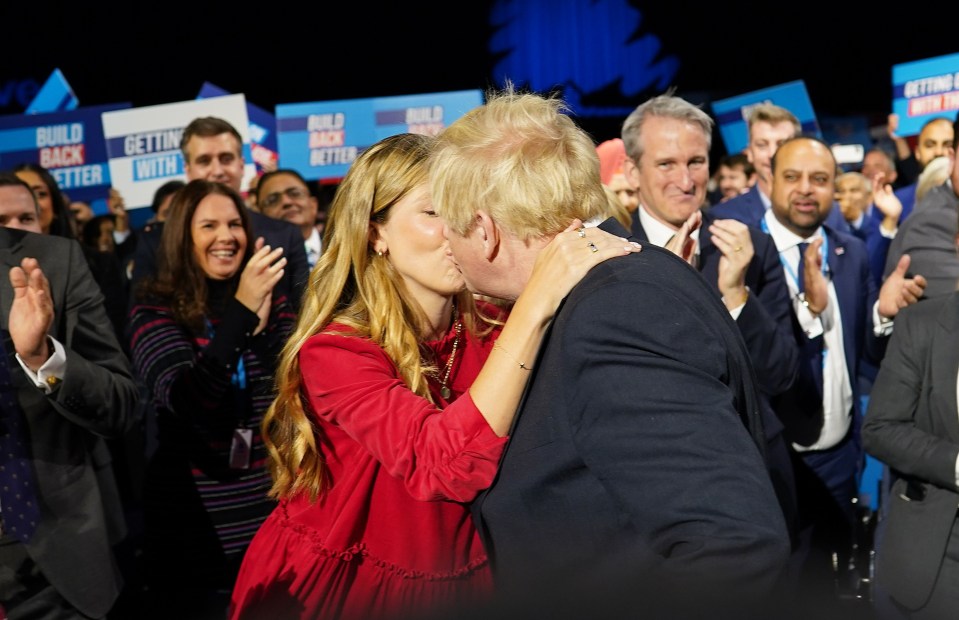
(55, 135)
(156, 167)
(333, 156)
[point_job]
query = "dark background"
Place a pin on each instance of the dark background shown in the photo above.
(284, 52)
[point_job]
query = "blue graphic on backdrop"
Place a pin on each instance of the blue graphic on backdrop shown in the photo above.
(584, 46)
(55, 95)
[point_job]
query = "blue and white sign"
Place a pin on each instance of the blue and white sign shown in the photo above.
(923, 90)
(69, 145)
(321, 139)
(143, 144)
(731, 114)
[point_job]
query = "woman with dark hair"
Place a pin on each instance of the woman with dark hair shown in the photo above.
(57, 219)
(205, 333)
(55, 216)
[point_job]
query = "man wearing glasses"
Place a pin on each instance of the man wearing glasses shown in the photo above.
(284, 195)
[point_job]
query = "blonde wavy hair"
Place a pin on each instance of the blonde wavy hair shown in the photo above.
(353, 286)
(523, 160)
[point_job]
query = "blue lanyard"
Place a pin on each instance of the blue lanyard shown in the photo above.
(824, 252)
(239, 377)
(792, 273)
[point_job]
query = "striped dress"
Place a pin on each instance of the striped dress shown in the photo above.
(205, 496)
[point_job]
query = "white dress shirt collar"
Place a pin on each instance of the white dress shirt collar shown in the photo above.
(658, 233)
(313, 247)
(782, 236)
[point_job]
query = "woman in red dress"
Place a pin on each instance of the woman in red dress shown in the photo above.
(395, 395)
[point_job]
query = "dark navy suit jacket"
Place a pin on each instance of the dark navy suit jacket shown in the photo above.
(766, 326)
(877, 244)
(629, 466)
(800, 407)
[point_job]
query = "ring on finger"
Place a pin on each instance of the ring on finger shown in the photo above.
(738, 248)
(592, 247)
(582, 232)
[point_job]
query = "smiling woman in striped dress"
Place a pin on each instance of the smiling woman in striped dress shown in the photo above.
(204, 336)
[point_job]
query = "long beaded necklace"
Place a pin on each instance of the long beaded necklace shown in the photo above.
(444, 390)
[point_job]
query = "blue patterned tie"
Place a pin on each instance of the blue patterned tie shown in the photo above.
(18, 503)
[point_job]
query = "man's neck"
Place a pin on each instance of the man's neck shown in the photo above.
(515, 258)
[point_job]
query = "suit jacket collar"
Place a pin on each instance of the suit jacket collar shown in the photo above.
(754, 203)
(11, 243)
(613, 227)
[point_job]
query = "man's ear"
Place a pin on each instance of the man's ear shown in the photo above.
(631, 171)
(489, 234)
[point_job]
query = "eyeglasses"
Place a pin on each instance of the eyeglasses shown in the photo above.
(274, 199)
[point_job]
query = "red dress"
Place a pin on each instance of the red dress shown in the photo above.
(391, 533)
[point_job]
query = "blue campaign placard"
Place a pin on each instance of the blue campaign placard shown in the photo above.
(923, 90)
(55, 95)
(321, 139)
(731, 113)
(70, 145)
(262, 129)
(424, 114)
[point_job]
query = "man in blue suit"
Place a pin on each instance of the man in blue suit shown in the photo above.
(769, 125)
(634, 475)
(741, 263)
(838, 318)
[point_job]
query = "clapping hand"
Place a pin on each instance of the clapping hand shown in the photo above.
(898, 291)
(31, 313)
(262, 272)
(734, 242)
(681, 244)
